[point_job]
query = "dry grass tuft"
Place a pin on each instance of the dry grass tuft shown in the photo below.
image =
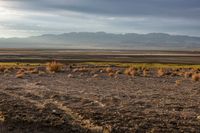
(2, 117)
(131, 71)
(34, 71)
(83, 70)
(111, 74)
(196, 77)
(54, 66)
(31, 69)
(160, 72)
(20, 75)
(118, 72)
(2, 68)
(20, 71)
(109, 70)
(145, 73)
(6, 70)
(187, 74)
(178, 82)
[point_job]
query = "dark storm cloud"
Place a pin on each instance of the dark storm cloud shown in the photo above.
(158, 8)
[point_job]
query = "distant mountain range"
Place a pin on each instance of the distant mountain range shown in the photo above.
(102, 40)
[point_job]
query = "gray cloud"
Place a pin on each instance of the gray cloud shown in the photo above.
(143, 16)
(169, 8)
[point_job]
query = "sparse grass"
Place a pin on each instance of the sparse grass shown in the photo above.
(54, 66)
(144, 65)
(14, 64)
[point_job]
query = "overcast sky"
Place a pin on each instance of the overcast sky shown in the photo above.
(20, 18)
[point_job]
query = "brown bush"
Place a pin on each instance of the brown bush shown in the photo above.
(2, 68)
(20, 71)
(196, 77)
(118, 72)
(111, 74)
(109, 70)
(30, 68)
(20, 75)
(131, 71)
(178, 82)
(145, 73)
(187, 74)
(34, 71)
(54, 66)
(160, 72)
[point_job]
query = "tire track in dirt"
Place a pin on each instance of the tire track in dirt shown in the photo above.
(86, 123)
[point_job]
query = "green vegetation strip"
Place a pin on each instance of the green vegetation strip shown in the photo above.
(117, 64)
(146, 65)
(19, 64)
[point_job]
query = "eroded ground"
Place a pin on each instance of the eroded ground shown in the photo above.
(82, 102)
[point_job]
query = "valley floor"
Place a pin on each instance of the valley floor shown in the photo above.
(81, 102)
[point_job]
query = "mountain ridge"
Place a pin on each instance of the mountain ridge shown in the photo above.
(104, 40)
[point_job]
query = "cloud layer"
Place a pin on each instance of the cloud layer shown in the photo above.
(34, 17)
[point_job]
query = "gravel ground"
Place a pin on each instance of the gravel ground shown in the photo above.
(60, 103)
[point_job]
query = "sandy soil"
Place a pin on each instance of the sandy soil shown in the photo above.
(59, 103)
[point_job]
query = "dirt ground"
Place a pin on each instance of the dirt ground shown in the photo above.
(82, 102)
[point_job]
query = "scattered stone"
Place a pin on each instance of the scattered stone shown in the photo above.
(95, 75)
(198, 117)
(70, 76)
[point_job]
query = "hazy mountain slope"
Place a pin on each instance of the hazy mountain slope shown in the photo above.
(104, 40)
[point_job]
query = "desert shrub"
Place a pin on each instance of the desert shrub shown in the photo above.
(20, 75)
(118, 72)
(34, 71)
(178, 82)
(111, 74)
(20, 71)
(109, 70)
(145, 73)
(160, 72)
(54, 66)
(131, 71)
(30, 68)
(187, 74)
(2, 68)
(196, 77)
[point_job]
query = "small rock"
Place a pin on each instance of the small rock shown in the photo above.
(70, 76)
(95, 75)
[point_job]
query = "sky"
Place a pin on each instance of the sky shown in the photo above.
(22, 18)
